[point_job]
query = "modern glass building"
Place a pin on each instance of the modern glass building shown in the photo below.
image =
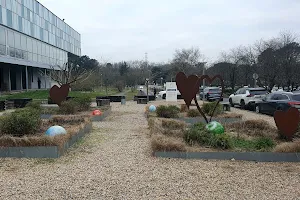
(32, 39)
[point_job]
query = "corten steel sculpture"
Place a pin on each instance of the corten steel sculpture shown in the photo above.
(59, 94)
(287, 121)
(189, 87)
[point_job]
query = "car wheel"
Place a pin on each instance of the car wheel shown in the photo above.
(257, 108)
(230, 102)
(243, 105)
(164, 96)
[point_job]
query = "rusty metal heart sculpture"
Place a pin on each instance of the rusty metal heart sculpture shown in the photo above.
(59, 94)
(210, 80)
(188, 87)
(287, 121)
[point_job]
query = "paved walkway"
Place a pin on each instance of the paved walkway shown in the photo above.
(115, 162)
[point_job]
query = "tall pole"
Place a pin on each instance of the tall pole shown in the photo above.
(147, 83)
(26, 74)
(45, 78)
(203, 82)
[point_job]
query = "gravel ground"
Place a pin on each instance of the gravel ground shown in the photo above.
(114, 162)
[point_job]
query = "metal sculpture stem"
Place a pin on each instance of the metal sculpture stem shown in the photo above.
(199, 109)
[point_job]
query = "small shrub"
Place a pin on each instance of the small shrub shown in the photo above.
(83, 103)
(222, 141)
(34, 105)
(257, 144)
(199, 134)
(69, 107)
(173, 124)
(21, 122)
(167, 111)
(263, 143)
(193, 113)
(160, 143)
(209, 107)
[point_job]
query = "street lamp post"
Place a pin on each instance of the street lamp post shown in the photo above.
(147, 84)
(161, 80)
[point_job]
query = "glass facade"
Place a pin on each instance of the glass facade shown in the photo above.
(17, 45)
(33, 19)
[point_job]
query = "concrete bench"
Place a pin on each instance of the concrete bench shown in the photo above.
(102, 102)
(226, 106)
(151, 97)
(142, 101)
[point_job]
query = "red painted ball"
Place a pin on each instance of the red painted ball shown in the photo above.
(97, 112)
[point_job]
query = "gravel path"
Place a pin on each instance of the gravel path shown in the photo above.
(114, 162)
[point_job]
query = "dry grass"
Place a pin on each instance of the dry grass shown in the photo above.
(253, 128)
(173, 124)
(288, 147)
(161, 143)
(183, 108)
(69, 119)
(230, 115)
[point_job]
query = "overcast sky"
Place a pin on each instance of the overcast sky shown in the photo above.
(116, 30)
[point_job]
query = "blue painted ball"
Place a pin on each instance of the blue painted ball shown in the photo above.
(56, 130)
(152, 108)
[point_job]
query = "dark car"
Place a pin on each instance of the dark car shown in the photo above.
(211, 93)
(278, 101)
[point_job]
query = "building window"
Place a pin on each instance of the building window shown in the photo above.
(1, 15)
(9, 18)
(20, 24)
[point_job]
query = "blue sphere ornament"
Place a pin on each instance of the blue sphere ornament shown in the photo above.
(152, 108)
(56, 130)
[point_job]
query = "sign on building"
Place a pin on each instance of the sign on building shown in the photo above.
(171, 91)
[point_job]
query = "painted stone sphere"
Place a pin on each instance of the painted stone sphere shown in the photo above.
(152, 108)
(56, 130)
(215, 127)
(97, 112)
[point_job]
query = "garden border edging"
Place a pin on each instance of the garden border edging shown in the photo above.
(243, 156)
(43, 151)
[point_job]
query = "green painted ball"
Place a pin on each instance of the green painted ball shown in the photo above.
(215, 127)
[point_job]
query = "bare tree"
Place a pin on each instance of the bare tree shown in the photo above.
(188, 61)
(69, 73)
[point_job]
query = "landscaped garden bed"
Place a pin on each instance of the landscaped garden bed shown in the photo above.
(182, 133)
(22, 133)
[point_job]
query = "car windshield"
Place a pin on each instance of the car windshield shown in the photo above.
(296, 97)
(258, 92)
(215, 90)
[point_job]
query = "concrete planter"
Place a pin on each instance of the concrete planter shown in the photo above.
(194, 120)
(246, 156)
(44, 151)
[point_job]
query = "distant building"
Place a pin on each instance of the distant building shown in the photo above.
(32, 39)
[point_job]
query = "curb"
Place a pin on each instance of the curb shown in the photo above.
(244, 156)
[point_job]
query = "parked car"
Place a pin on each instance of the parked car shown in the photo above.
(211, 93)
(278, 101)
(162, 94)
(246, 97)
